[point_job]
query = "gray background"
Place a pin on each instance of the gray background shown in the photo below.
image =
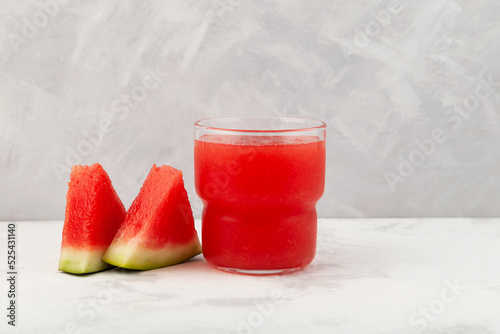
(388, 78)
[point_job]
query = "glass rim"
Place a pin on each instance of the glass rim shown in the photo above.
(320, 124)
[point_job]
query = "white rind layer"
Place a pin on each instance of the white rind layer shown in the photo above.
(82, 261)
(132, 255)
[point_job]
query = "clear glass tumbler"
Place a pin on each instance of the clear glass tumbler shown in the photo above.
(259, 179)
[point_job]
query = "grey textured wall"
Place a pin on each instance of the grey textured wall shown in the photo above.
(410, 92)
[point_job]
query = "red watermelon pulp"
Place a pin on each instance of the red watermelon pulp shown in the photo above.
(94, 213)
(159, 227)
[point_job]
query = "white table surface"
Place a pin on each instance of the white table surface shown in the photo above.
(369, 276)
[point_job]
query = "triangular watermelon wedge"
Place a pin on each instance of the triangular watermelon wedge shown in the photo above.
(94, 213)
(159, 227)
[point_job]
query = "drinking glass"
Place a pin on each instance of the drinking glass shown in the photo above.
(259, 179)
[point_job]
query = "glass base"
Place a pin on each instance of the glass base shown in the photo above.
(259, 271)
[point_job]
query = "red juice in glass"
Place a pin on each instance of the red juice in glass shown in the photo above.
(259, 187)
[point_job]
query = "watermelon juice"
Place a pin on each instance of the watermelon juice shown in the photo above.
(260, 190)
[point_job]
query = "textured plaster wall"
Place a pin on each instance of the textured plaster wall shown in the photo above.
(410, 91)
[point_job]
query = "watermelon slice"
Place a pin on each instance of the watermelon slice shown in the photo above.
(94, 213)
(159, 227)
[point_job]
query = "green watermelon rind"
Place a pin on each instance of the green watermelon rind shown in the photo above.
(82, 261)
(133, 255)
